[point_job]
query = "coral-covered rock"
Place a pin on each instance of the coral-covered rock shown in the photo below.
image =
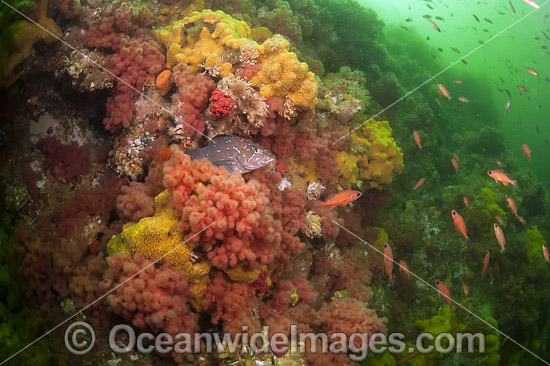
(223, 46)
(231, 304)
(151, 297)
(64, 161)
(190, 99)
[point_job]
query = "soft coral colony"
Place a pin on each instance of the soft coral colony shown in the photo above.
(234, 250)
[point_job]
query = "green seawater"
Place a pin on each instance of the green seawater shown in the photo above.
(513, 42)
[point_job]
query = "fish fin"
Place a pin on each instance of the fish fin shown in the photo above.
(227, 164)
(221, 137)
(195, 154)
(515, 183)
(505, 183)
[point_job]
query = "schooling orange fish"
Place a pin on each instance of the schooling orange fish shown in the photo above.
(444, 292)
(342, 198)
(545, 253)
(485, 263)
(460, 225)
(464, 99)
(512, 205)
(466, 289)
(416, 136)
(404, 267)
(388, 261)
(433, 25)
(455, 165)
(499, 176)
(444, 91)
(466, 202)
(499, 234)
(526, 151)
(420, 182)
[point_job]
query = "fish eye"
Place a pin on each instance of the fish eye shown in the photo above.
(495, 225)
(490, 172)
(454, 212)
(437, 282)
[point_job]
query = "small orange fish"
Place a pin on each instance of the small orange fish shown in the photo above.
(456, 157)
(499, 176)
(532, 3)
(531, 71)
(435, 25)
(420, 182)
(444, 91)
(485, 263)
(444, 292)
(455, 165)
(545, 253)
(342, 198)
(526, 151)
(404, 267)
(388, 261)
(460, 225)
(416, 136)
(512, 205)
(499, 234)
(521, 219)
(499, 163)
(466, 289)
(522, 88)
(458, 81)
(464, 99)
(438, 102)
(499, 220)
(466, 202)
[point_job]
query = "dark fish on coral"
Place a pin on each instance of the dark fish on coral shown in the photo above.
(475, 17)
(234, 153)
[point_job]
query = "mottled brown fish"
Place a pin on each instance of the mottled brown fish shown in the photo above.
(476, 18)
(234, 153)
(455, 50)
(488, 20)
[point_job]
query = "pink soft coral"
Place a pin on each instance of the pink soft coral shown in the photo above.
(154, 299)
(231, 304)
(191, 97)
(238, 222)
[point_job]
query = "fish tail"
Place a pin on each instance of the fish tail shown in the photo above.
(515, 183)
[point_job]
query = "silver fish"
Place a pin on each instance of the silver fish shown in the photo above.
(234, 153)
